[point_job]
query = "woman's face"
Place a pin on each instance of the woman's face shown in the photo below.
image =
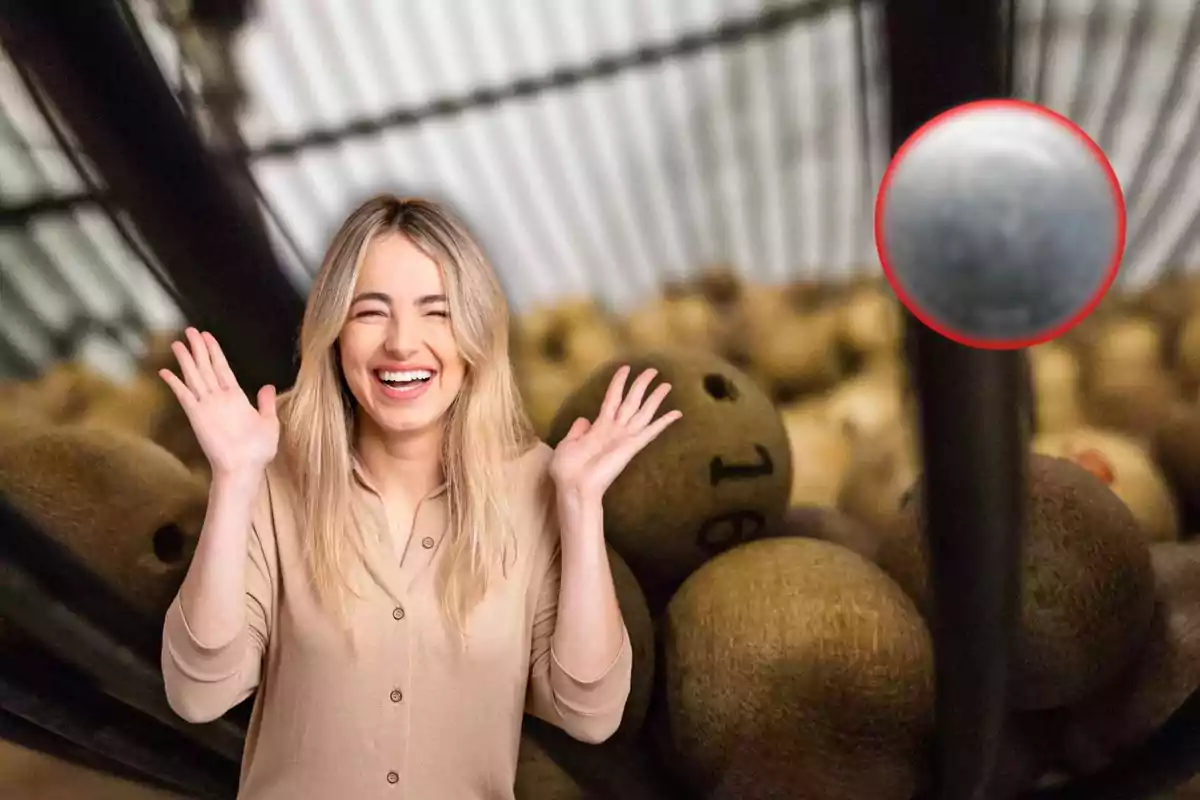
(398, 352)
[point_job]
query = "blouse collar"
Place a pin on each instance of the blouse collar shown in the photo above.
(363, 477)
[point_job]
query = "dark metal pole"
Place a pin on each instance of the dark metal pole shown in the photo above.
(941, 54)
(77, 641)
(57, 701)
(24, 734)
(204, 231)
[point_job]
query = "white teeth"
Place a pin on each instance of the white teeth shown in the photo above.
(406, 376)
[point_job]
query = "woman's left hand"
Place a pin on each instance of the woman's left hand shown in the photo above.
(592, 454)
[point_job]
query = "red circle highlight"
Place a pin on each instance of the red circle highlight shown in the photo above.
(928, 320)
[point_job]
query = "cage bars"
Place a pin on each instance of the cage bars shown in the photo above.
(121, 110)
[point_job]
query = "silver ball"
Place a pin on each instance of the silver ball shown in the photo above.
(999, 224)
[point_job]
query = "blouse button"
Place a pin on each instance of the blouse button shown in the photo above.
(393, 777)
(427, 542)
(397, 696)
(398, 613)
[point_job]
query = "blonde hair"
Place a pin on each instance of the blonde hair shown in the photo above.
(318, 413)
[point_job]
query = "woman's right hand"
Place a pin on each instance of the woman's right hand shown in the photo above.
(237, 438)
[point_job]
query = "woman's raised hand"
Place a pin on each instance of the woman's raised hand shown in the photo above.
(593, 454)
(236, 437)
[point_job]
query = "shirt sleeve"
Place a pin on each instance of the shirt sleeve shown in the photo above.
(204, 680)
(587, 710)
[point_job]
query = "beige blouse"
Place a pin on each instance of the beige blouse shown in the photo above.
(407, 713)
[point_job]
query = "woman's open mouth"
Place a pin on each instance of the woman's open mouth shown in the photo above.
(404, 384)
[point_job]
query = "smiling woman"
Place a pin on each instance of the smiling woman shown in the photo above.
(398, 344)
(406, 290)
(395, 605)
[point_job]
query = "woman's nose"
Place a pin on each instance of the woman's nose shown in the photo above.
(402, 337)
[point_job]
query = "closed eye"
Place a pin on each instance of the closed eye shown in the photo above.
(444, 314)
(371, 312)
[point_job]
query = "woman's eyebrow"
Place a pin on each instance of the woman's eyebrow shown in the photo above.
(430, 299)
(380, 296)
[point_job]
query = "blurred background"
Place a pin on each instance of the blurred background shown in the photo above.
(641, 174)
(600, 152)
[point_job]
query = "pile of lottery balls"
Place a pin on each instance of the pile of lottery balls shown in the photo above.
(767, 548)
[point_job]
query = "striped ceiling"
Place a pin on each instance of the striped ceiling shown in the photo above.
(596, 148)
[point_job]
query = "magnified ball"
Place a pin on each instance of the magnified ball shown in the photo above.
(1000, 224)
